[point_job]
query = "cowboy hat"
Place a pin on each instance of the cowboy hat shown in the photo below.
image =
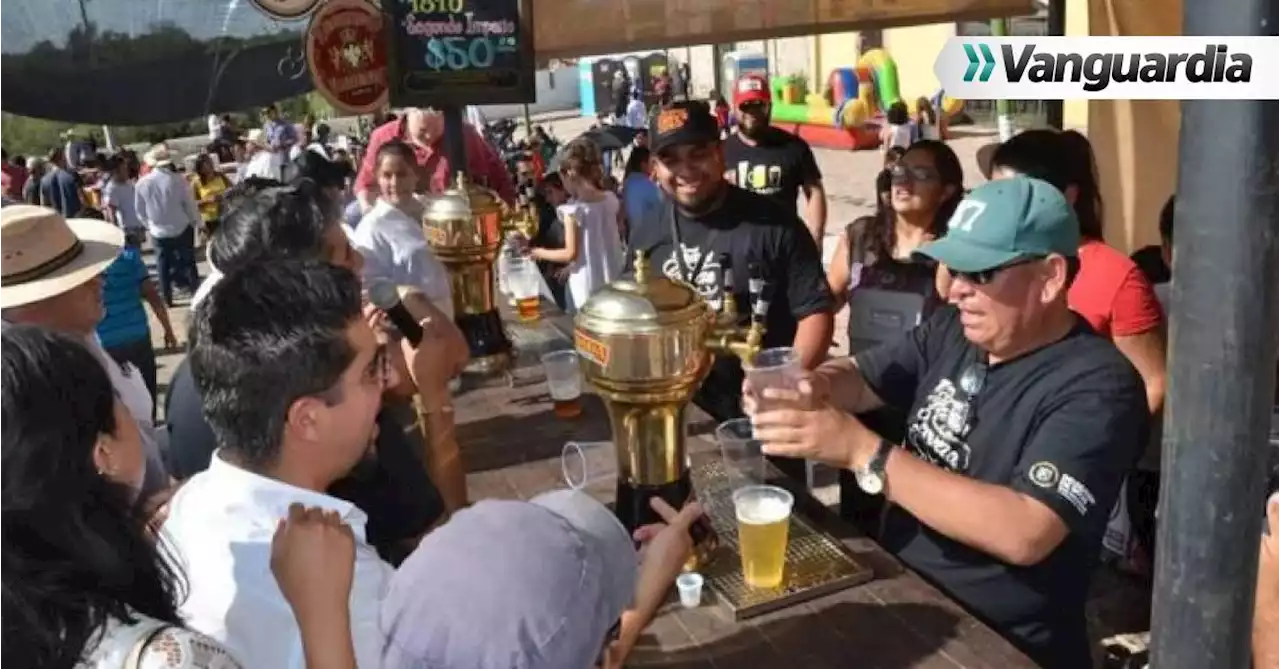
(45, 255)
(255, 136)
(157, 156)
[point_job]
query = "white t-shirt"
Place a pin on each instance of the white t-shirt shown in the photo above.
(396, 250)
(267, 165)
(898, 135)
(599, 247)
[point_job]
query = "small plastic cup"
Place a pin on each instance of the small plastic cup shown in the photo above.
(773, 368)
(587, 464)
(740, 449)
(689, 585)
(564, 382)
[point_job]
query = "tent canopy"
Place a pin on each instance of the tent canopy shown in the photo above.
(127, 62)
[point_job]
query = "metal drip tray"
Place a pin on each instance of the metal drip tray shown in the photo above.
(817, 564)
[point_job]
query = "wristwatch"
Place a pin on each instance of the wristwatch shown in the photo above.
(871, 478)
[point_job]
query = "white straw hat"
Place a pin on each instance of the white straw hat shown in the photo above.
(46, 255)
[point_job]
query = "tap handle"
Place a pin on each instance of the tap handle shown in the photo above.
(757, 289)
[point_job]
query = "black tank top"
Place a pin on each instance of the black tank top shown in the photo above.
(869, 272)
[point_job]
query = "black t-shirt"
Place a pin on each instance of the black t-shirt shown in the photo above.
(777, 165)
(1061, 424)
(751, 230)
(393, 488)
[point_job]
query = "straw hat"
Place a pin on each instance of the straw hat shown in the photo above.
(157, 156)
(46, 255)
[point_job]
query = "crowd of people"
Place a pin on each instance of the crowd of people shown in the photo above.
(301, 516)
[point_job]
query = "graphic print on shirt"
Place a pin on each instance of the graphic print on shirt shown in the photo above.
(707, 282)
(938, 430)
(763, 179)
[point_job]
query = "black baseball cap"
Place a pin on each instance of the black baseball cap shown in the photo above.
(687, 122)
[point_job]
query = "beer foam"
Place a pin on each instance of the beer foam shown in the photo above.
(762, 510)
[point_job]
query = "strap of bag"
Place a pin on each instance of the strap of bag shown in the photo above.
(134, 660)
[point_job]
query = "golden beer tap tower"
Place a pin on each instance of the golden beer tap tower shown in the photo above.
(646, 345)
(465, 227)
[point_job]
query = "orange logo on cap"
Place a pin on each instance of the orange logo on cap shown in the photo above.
(672, 119)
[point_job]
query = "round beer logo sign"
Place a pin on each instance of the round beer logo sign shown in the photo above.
(347, 55)
(286, 10)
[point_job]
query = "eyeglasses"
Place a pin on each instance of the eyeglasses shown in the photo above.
(986, 276)
(754, 105)
(906, 174)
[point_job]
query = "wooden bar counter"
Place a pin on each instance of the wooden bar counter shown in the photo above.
(511, 445)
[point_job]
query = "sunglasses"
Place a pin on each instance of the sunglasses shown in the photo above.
(972, 381)
(986, 276)
(906, 174)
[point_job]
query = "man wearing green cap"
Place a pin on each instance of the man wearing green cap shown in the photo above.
(1022, 422)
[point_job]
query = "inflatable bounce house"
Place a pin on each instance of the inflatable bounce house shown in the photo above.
(850, 113)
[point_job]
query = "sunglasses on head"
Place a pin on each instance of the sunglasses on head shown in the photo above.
(905, 174)
(986, 276)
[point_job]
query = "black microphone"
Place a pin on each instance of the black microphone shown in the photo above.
(384, 296)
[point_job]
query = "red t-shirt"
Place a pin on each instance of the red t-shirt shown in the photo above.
(15, 178)
(1112, 293)
(483, 164)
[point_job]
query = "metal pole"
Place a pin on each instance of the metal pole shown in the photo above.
(1222, 368)
(1004, 119)
(454, 145)
(1055, 26)
(528, 121)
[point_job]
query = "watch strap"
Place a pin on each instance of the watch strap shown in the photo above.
(881, 457)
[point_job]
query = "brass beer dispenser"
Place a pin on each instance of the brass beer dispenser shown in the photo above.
(646, 345)
(464, 226)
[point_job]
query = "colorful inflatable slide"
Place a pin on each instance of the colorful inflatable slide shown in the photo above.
(849, 114)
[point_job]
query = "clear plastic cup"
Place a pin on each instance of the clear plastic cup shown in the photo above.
(689, 585)
(774, 368)
(525, 285)
(740, 449)
(564, 382)
(589, 464)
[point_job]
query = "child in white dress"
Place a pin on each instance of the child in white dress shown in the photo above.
(592, 222)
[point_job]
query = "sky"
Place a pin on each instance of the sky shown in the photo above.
(25, 23)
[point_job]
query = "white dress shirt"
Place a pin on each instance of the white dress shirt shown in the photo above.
(165, 203)
(220, 527)
(395, 250)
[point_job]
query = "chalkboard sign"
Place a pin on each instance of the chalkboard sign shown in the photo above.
(459, 52)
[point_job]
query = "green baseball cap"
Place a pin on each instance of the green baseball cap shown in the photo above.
(1004, 221)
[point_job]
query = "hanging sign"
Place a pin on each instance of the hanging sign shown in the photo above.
(286, 10)
(347, 55)
(460, 52)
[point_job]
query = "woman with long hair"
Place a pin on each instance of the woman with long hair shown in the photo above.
(84, 585)
(874, 268)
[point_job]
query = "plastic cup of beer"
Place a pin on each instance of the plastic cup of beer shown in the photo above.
(525, 285)
(740, 449)
(764, 516)
(564, 382)
(589, 465)
(774, 368)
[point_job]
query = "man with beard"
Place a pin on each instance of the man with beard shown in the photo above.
(772, 161)
(704, 226)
